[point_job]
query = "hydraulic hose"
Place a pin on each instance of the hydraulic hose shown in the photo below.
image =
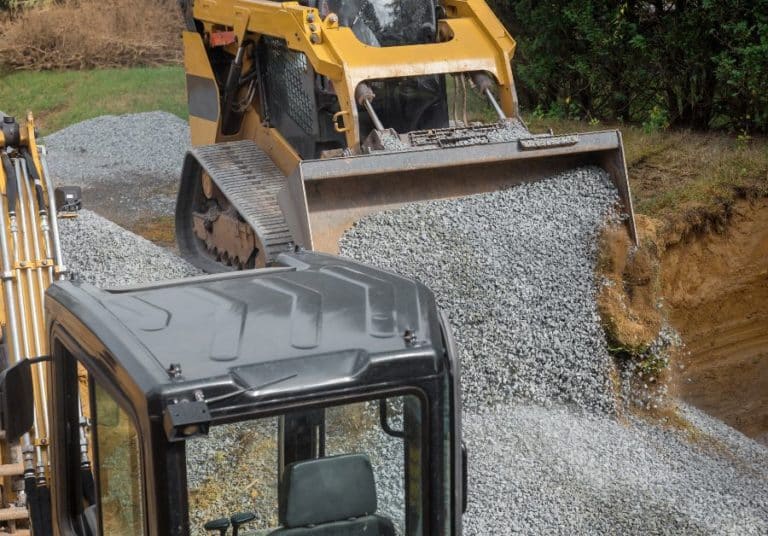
(11, 186)
(35, 176)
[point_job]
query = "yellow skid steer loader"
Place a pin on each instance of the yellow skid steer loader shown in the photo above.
(309, 115)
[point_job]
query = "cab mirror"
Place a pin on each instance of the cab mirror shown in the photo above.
(17, 400)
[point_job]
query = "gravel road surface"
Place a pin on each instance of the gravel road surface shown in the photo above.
(128, 165)
(550, 452)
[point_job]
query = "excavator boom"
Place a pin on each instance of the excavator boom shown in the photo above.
(31, 260)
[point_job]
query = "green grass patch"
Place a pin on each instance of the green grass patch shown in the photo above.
(61, 98)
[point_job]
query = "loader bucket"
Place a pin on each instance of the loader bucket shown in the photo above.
(326, 197)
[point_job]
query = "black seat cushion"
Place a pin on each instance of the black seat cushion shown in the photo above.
(330, 496)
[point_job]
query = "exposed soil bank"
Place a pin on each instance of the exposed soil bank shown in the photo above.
(715, 289)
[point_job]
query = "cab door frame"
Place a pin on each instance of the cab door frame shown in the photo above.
(85, 349)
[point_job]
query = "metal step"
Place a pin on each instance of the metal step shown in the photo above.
(11, 469)
(250, 181)
(13, 513)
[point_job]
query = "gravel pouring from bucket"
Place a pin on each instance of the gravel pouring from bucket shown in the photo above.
(328, 196)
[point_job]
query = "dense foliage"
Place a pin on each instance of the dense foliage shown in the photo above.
(693, 63)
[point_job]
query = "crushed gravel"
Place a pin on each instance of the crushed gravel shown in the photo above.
(514, 271)
(116, 148)
(557, 471)
(106, 255)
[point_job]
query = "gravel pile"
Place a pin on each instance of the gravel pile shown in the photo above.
(514, 271)
(106, 255)
(511, 130)
(556, 471)
(117, 148)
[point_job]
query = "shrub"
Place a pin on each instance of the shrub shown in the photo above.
(92, 33)
(703, 63)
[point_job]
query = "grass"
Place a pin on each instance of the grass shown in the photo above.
(61, 98)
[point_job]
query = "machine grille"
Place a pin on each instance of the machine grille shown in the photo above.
(285, 76)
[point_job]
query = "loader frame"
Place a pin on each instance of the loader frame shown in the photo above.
(473, 40)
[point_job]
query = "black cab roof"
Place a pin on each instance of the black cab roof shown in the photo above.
(315, 323)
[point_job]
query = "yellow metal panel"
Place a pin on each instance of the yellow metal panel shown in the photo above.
(203, 130)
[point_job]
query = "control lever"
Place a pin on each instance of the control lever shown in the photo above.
(484, 84)
(241, 518)
(364, 95)
(221, 524)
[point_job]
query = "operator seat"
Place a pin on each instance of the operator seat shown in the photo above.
(333, 496)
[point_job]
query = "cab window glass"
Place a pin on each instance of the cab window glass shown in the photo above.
(236, 467)
(378, 429)
(120, 494)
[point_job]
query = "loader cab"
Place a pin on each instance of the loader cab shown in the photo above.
(301, 104)
(382, 24)
(318, 397)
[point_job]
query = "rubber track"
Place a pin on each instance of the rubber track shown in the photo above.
(250, 181)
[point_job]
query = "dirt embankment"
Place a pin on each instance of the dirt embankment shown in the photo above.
(712, 288)
(715, 288)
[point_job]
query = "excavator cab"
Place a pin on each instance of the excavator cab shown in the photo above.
(316, 397)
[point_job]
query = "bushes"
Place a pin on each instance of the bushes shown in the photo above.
(692, 63)
(13, 5)
(84, 34)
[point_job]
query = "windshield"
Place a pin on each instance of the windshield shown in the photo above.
(239, 467)
(383, 23)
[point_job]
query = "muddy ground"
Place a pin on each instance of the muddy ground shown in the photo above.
(144, 205)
